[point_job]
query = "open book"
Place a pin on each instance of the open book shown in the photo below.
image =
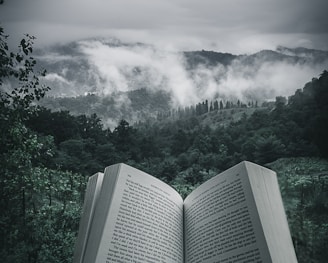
(236, 216)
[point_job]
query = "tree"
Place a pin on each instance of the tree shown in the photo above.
(308, 108)
(268, 149)
(39, 207)
(125, 140)
(221, 105)
(280, 102)
(320, 119)
(91, 127)
(17, 72)
(304, 189)
(216, 105)
(211, 106)
(180, 142)
(60, 124)
(168, 170)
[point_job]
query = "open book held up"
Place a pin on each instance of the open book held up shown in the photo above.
(236, 216)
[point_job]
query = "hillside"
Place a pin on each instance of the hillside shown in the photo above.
(133, 106)
(133, 80)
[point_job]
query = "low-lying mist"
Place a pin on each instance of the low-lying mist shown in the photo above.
(110, 68)
(105, 68)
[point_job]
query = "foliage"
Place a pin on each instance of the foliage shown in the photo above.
(41, 216)
(137, 104)
(304, 187)
(17, 72)
(39, 207)
(169, 147)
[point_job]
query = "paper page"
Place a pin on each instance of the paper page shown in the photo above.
(222, 223)
(144, 223)
(90, 200)
(272, 214)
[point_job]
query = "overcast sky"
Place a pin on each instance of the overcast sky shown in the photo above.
(237, 26)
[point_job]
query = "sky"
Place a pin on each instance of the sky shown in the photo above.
(235, 26)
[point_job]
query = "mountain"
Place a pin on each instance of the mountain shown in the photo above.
(208, 58)
(115, 71)
(105, 66)
(316, 56)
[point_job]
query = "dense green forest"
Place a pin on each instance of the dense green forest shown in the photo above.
(47, 156)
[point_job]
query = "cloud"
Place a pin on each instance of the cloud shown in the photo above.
(121, 67)
(266, 80)
(54, 77)
(237, 26)
(126, 68)
(53, 57)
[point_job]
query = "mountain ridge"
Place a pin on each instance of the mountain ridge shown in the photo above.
(110, 68)
(70, 62)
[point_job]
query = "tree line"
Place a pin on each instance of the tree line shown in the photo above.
(204, 107)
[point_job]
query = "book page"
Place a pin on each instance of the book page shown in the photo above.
(90, 200)
(271, 212)
(222, 223)
(100, 213)
(144, 222)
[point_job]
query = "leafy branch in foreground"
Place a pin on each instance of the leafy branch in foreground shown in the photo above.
(19, 83)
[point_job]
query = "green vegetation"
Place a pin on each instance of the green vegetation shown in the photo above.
(304, 187)
(137, 104)
(39, 207)
(46, 157)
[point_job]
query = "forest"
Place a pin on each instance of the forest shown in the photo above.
(47, 156)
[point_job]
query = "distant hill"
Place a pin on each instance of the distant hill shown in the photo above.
(208, 58)
(132, 106)
(316, 56)
(130, 80)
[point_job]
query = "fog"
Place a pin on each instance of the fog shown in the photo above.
(112, 67)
